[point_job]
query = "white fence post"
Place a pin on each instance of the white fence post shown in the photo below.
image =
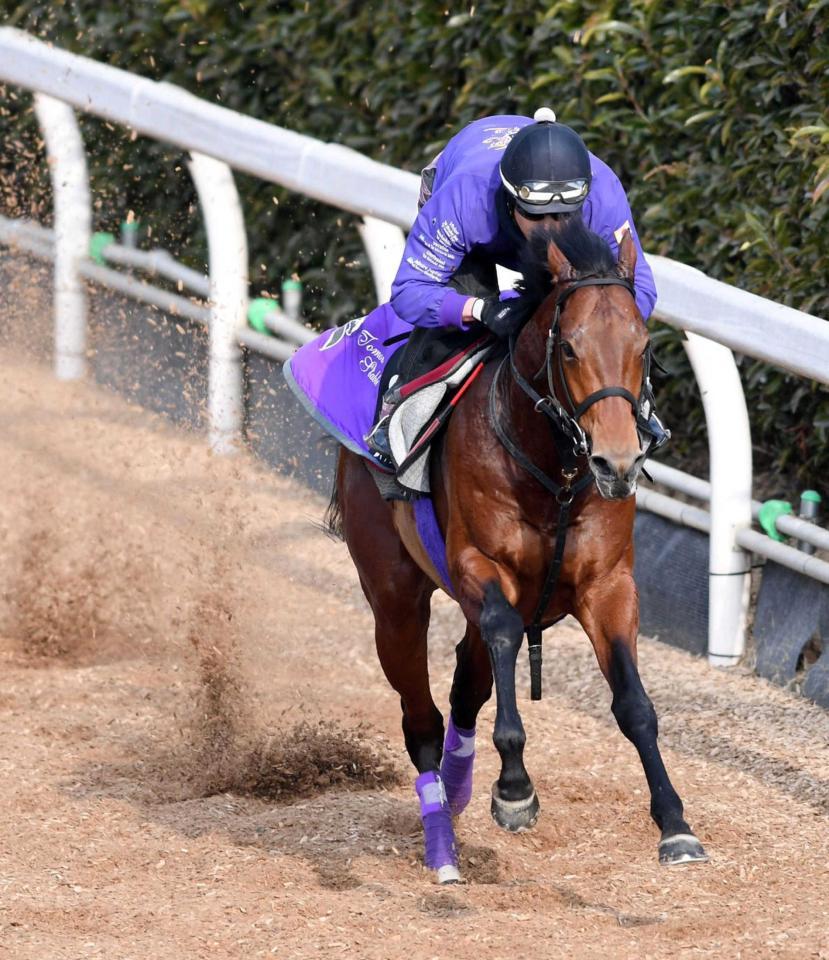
(729, 445)
(384, 243)
(73, 225)
(228, 257)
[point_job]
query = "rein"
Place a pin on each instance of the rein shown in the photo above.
(565, 426)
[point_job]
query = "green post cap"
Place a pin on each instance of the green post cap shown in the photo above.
(292, 284)
(769, 512)
(258, 309)
(98, 242)
(812, 496)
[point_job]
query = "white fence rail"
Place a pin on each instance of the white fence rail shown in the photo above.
(325, 171)
(719, 318)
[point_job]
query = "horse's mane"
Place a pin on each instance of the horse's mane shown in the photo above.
(587, 252)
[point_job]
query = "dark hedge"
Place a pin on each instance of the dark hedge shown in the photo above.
(713, 114)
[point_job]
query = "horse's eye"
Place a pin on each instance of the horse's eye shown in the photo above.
(567, 350)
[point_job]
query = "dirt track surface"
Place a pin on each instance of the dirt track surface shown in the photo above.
(201, 758)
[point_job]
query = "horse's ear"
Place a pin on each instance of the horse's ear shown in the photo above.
(560, 268)
(626, 266)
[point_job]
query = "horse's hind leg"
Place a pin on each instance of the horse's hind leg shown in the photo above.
(609, 614)
(399, 594)
(471, 688)
(514, 800)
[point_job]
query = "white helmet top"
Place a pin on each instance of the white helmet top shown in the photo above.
(544, 115)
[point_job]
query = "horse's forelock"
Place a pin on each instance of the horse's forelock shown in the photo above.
(586, 252)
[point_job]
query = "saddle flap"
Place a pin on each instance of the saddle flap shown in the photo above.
(421, 414)
(406, 423)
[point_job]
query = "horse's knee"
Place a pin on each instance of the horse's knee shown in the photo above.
(635, 715)
(631, 706)
(501, 625)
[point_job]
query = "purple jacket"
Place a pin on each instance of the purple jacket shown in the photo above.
(468, 209)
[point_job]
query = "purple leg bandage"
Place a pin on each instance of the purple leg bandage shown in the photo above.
(456, 766)
(437, 822)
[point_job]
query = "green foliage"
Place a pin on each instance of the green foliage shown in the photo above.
(713, 114)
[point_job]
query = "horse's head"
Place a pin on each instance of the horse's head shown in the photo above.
(596, 349)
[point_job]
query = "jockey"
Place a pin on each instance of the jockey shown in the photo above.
(493, 184)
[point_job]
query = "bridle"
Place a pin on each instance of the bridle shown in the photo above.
(566, 418)
(576, 445)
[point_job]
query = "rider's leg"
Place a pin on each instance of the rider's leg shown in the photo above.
(660, 433)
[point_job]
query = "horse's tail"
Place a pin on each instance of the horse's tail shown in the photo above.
(332, 520)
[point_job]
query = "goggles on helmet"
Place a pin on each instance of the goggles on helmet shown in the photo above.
(543, 192)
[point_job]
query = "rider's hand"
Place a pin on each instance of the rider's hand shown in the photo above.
(503, 317)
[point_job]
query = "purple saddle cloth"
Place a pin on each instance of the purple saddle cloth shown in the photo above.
(337, 376)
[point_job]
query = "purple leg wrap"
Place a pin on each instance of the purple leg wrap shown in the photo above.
(456, 766)
(437, 822)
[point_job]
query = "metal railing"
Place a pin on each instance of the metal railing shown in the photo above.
(716, 317)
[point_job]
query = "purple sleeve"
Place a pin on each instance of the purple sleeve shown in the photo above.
(434, 250)
(609, 215)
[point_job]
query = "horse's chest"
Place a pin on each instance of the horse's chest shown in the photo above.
(590, 548)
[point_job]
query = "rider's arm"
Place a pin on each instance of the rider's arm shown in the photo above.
(608, 214)
(435, 247)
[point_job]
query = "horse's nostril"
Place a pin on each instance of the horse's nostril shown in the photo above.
(603, 467)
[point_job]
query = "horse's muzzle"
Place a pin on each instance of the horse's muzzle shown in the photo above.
(616, 477)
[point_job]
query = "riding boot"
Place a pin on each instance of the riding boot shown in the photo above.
(660, 433)
(377, 440)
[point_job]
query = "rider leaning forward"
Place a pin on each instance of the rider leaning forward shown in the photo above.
(493, 184)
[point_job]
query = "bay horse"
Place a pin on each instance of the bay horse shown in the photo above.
(501, 482)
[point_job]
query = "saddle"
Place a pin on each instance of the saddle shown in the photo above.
(427, 379)
(424, 408)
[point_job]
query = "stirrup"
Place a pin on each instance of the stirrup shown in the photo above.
(378, 440)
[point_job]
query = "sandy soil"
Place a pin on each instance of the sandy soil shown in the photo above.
(201, 758)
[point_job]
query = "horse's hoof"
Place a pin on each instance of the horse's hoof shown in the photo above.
(514, 815)
(448, 874)
(681, 848)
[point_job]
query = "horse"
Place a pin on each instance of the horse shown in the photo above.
(537, 524)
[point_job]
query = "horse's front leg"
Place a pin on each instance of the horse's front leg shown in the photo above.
(514, 801)
(609, 613)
